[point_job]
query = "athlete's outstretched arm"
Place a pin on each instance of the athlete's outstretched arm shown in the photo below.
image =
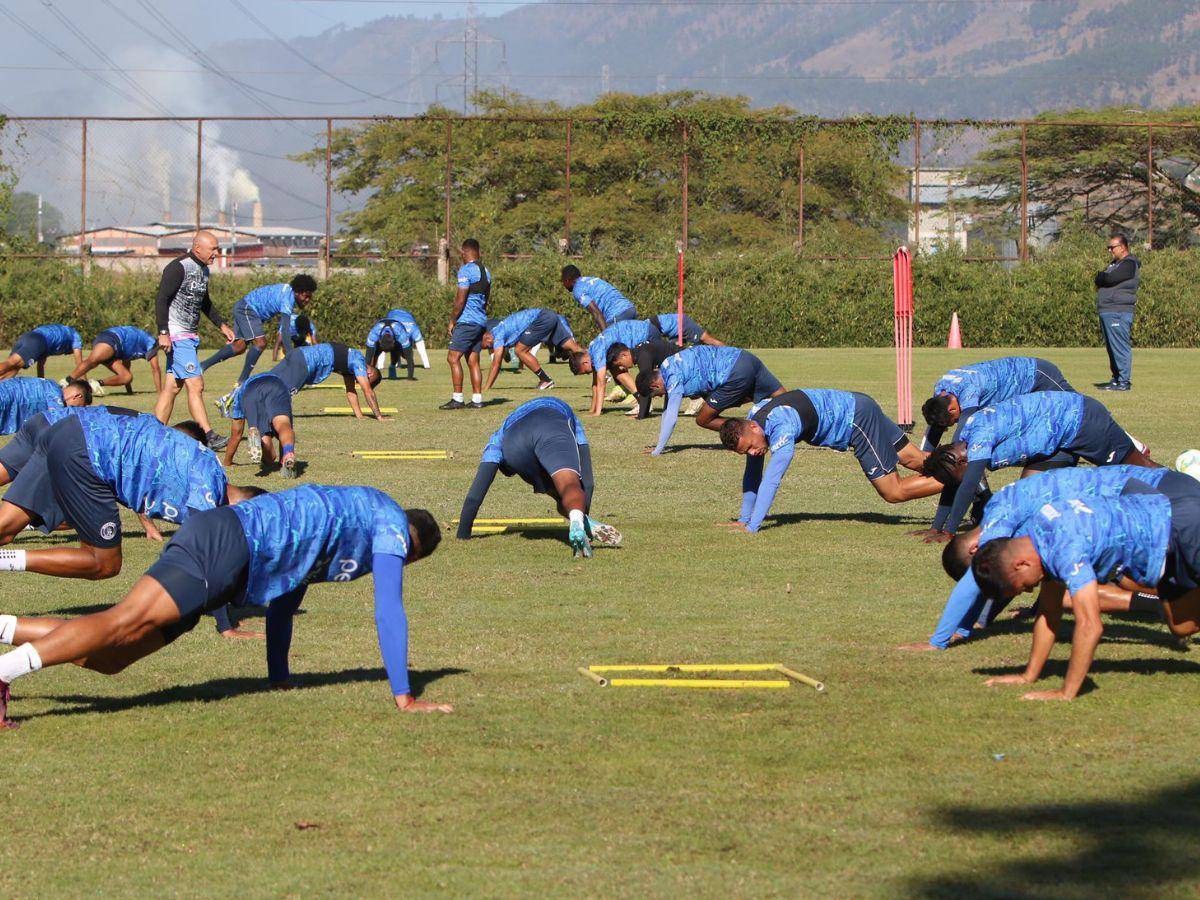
(391, 624)
(497, 361)
(1045, 632)
(484, 477)
(778, 465)
(596, 314)
(279, 635)
(669, 417)
(968, 488)
(369, 394)
(752, 476)
(961, 613)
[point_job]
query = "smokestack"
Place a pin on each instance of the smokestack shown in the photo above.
(258, 214)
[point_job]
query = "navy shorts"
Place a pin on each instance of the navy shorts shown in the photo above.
(293, 371)
(1182, 571)
(467, 337)
(749, 379)
(31, 347)
(875, 439)
(1047, 377)
(1100, 439)
(15, 454)
(87, 503)
(107, 337)
(624, 315)
(263, 400)
(246, 324)
(204, 567)
(539, 445)
(33, 491)
(691, 329)
(543, 329)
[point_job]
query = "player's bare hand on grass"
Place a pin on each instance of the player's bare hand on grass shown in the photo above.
(730, 523)
(405, 703)
(998, 680)
(237, 634)
(922, 532)
(918, 647)
(939, 537)
(1045, 695)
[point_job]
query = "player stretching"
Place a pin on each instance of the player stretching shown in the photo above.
(23, 398)
(524, 331)
(631, 333)
(38, 345)
(606, 304)
(668, 326)
(468, 319)
(252, 312)
(116, 348)
(264, 403)
(417, 339)
(312, 365)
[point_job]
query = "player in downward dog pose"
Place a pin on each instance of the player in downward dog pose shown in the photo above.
(647, 357)
(631, 333)
(606, 304)
(117, 348)
(76, 395)
(38, 345)
(389, 338)
(251, 313)
(1048, 429)
(23, 398)
(524, 331)
(840, 420)
(312, 365)
(543, 442)
(264, 403)
(87, 464)
(265, 552)
(668, 326)
(723, 376)
(409, 323)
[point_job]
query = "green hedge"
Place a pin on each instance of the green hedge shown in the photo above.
(776, 301)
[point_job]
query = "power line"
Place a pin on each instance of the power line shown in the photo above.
(652, 4)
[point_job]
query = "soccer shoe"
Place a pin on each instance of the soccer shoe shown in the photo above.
(97, 388)
(288, 467)
(604, 535)
(545, 385)
(580, 545)
(616, 395)
(222, 404)
(254, 445)
(632, 411)
(217, 441)
(476, 404)
(453, 404)
(5, 696)
(693, 407)
(62, 382)
(1118, 386)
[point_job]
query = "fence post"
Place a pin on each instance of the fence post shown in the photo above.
(917, 186)
(199, 169)
(328, 197)
(566, 241)
(800, 214)
(684, 229)
(1024, 254)
(1149, 187)
(85, 262)
(446, 219)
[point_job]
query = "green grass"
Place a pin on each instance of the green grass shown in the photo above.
(184, 776)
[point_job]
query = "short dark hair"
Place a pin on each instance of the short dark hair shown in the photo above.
(1119, 236)
(84, 388)
(613, 352)
(575, 361)
(942, 464)
(936, 411)
(252, 490)
(570, 273)
(988, 568)
(303, 284)
(374, 376)
(426, 528)
(956, 557)
(192, 430)
(731, 432)
(470, 244)
(303, 326)
(387, 340)
(644, 382)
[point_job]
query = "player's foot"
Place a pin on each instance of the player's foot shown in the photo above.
(97, 388)
(5, 696)
(288, 467)
(604, 535)
(545, 385)
(476, 404)
(632, 411)
(453, 404)
(216, 441)
(693, 407)
(254, 444)
(1117, 386)
(616, 395)
(222, 404)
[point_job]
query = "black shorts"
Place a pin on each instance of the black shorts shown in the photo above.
(1047, 377)
(31, 347)
(749, 380)
(875, 439)
(108, 337)
(539, 445)
(15, 454)
(1182, 571)
(1100, 440)
(88, 504)
(204, 567)
(263, 400)
(293, 371)
(542, 330)
(467, 337)
(33, 491)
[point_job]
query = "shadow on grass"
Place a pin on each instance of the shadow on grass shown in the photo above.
(868, 518)
(70, 537)
(1119, 848)
(1058, 668)
(1122, 631)
(679, 448)
(224, 688)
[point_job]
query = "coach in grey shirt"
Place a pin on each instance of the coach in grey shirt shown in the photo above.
(1116, 295)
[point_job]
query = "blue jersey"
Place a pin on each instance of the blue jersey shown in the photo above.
(506, 332)
(316, 533)
(399, 332)
(1081, 541)
(493, 452)
(21, 398)
(696, 371)
(59, 339)
(991, 382)
(271, 300)
(294, 332)
(608, 299)
(405, 318)
(133, 342)
(474, 311)
(1023, 428)
(835, 420)
(320, 360)
(152, 469)
(631, 332)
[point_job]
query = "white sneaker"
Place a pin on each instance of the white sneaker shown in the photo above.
(604, 535)
(632, 411)
(693, 407)
(97, 388)
(545, 385)
(254, 442)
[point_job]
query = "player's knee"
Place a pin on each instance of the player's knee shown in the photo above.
(105, 566)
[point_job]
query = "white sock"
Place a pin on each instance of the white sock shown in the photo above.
(1141, 448)
(16, 663)
(12, 560)
(457, 395)
(477, 398)
(421, 353)
(576, 517)
(8, 627)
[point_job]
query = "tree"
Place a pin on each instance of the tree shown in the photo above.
(21, 219)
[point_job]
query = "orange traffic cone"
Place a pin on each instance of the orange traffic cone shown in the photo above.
(955, 340)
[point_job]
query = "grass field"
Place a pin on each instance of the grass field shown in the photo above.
(185, 776)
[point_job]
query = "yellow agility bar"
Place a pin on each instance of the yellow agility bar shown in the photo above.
(347, 411)
(558, 521)
(715, 683)
(443, 454)
(594, 673)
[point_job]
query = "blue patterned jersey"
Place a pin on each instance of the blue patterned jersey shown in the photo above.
(133, 342)
(320, 360)
(608, 299)
(1032, 425)
(271, 300)
(294, 332)
(399, 332)
(506, 332)
(316, 533)
(474, 311)
(631, 332)
(405, 318)
(1081, 541)
(835, 418)
(493, 452)
(1016, 503)
(59, 338)
(21, 398)
(152, 469)
(991, 382)
(698, 370)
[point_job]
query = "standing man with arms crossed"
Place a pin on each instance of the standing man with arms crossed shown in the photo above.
(1116, 295)
(468, 319)
(182, 296)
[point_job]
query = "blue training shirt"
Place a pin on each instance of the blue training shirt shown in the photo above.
(1014, 431)
(152, 469)
(508, 330)
(405, 318)
(588, 289)
(990, 382)
(631, 332)
(21, 398)
(399, 332)
(59, 339)
(493, 451)
(474, 311)
(695, 371)
(320, 358)
(134, 343)
(271, 300)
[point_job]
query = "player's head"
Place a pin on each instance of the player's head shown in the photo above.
(1006, 567)
(303, 286)
(619, 358)
(470, 249)
(304, 329)
(941, 410)
(191, 429)
(1118, 245)
(744, 436)
(956, 557)
(236, 493)
(580, 363)
(204, 246)
(374, 376)
(650, 383)
(570, 274)
(487, 341)
(424, 534)
(947, 463)
(77, 393)
(387, 340)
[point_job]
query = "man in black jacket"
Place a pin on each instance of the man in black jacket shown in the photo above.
(1116, 294)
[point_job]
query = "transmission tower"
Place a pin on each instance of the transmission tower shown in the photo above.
(471, 39)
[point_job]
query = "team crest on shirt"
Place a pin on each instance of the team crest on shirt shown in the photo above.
(191, 367)
(108, 530)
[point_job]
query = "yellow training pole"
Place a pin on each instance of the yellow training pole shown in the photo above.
(712, 683)
(818, 686)
(346, 411)
(690, 667)
(399, 452)
(384, 457)
(557, 521)
(603, 682)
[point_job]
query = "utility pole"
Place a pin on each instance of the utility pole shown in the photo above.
(471, 39)
(40, 237)
(414, 89)
(605, 79)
